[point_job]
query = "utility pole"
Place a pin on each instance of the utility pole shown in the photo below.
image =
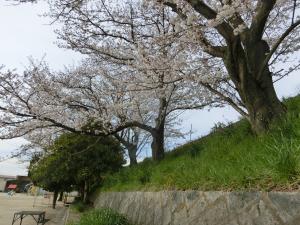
(191, 130)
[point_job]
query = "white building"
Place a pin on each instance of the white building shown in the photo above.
(3, 181)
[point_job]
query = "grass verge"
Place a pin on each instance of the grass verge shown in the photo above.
(79, 207)
(103, 216)
(230, 158)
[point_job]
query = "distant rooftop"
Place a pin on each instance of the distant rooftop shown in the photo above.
(8, 177)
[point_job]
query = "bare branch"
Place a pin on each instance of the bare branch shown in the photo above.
(275, 47)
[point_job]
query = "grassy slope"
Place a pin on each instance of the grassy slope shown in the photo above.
(230, 158)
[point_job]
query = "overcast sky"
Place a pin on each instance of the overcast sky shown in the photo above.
(26, 34)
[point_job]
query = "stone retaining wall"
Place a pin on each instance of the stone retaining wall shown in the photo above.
(204, 208)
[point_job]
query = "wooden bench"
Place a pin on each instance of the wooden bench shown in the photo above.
(38, 216)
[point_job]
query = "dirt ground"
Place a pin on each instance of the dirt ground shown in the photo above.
(20, 202)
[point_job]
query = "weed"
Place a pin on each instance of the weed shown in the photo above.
(104, 216)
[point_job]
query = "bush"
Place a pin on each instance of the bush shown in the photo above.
(79, 206)
(103, 216)
(194, 150)
(145, 175)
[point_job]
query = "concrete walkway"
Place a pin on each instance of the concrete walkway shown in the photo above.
(21, 202)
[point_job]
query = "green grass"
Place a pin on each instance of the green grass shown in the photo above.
(230, 158)
(104, 216)
(80, 207)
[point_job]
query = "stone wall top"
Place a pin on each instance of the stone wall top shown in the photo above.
(207, 208)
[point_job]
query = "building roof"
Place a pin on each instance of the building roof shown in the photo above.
(7, 177)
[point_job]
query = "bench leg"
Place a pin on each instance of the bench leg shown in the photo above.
(43, 219)
(21, 220)
(14, 220)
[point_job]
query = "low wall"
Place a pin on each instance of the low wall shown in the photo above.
(204, 208)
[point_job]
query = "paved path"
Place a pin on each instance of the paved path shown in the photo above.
(20, 202)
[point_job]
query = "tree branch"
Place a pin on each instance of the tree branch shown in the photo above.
(224, 28)
(226, 99)
(275, 47)
(264, 7)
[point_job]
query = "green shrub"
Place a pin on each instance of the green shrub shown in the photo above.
(219, 127)
(79, 206)
(195, 150)
(103, 216)
(145, 175)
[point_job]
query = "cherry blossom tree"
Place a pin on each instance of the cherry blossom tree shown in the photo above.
(139, 38)
(134, 140)
(252, 39)
(91, 99)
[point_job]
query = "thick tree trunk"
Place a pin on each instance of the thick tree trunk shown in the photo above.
(254, 84)
(55, 195)
(132, 151)
(158, 133)
(263, 105)
(157, 145)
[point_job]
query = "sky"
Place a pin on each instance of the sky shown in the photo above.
(25, 33)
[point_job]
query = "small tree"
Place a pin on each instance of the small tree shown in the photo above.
(50, 173)
(77, 161)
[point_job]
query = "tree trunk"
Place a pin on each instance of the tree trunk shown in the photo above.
(61, 196)
(254, 84)
(158, 133)
(131, 144)
(157, 145)
(82, 185)
(132, 155)
(263, 105)
(55, 195)
(86, 191)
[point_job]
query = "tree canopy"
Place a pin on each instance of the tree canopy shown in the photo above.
(76, 162)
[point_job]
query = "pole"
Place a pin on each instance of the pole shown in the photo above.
(191, 130)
